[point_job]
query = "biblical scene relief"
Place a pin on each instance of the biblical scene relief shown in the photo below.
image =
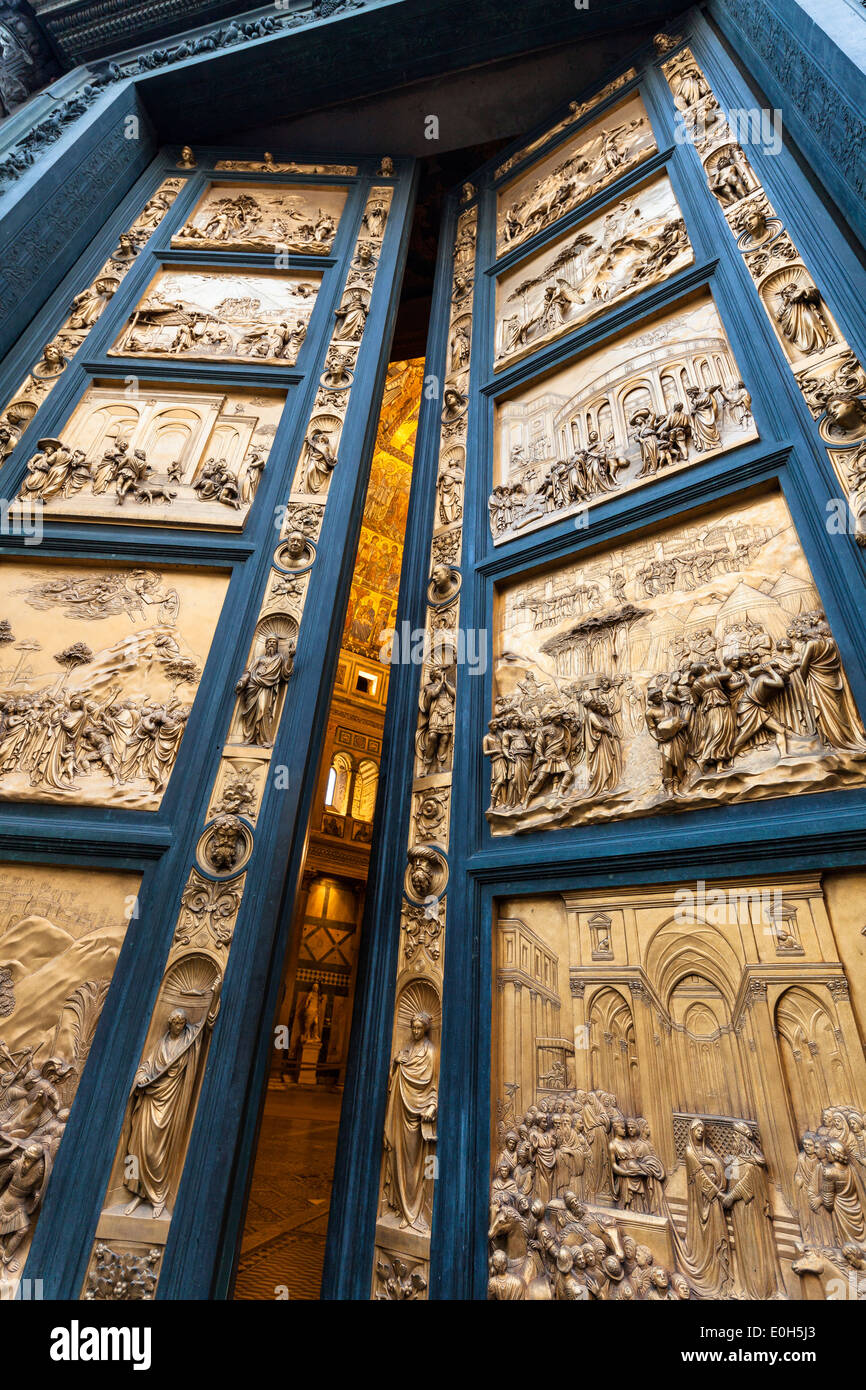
(576, 111)
(573, 172)
(656, 399)
(690, 668)
(264, 218)
(198, 315)
(61, 931)
(373, 599)
(679, 1093)
(611, 257)
(100, 670)
(181, 456)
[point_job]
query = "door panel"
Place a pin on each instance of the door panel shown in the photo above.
(202, 436)
(619, 778)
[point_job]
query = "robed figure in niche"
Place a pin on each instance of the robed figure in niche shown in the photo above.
(161, 1109)
(410, 1124)
(259, 690)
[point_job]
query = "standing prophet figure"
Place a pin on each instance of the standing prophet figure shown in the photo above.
(161, 1108)
(410, 1124)
(259, 689)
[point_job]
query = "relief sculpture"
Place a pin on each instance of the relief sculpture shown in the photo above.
(176, 456)
(595, 156)
(688, 669)
(102, 671)
(639, 1152)
(198, 315)
(658, 398)
(60, 935)
(264, 218)
(638, 242)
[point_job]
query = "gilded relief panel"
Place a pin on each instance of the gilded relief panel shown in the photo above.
(61, 931)
(294, 219)
(586, 271)
(656, 399)
(182, 456)
(576, 170)
(223, 315)
(688, 668)
(100, 672)
(678, 1085)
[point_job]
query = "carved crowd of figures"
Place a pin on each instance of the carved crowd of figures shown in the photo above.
(712, 710)
(706, 713)
(237, 328)
(830, 1181)
(59, 470)
(690, 427)
(605, 154)
(242, 221)
(633, 246)
(35, 1095)
(59, 737)
(572, 1167)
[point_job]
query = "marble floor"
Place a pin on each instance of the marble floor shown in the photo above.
(283, 1246)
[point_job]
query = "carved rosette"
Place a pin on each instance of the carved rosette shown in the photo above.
(83, 312)
(406, 1195)
(826, 370)
(214, 891)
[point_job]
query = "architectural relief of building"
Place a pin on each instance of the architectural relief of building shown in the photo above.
(637, 1152)
(656, 399)
(174, 457)
(432, 685)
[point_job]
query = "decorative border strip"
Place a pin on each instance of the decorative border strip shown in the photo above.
(402, 1247)
(829, 375)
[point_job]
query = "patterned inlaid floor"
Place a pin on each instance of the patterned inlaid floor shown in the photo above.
(283, 1246)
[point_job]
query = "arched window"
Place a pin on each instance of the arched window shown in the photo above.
(337, 790)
